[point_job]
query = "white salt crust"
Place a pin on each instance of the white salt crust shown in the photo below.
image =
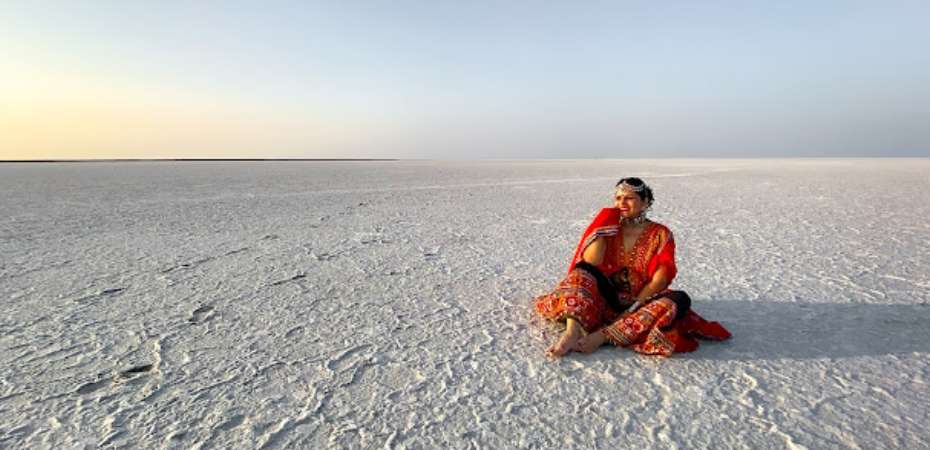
(389, 304)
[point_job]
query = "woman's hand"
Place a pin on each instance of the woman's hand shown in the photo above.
(590, 342)
(658, 283)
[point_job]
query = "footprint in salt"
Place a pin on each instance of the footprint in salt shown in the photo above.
(344, 359)
(430, 253)
(132, 372)
(738, 386)
(93, 386)
(293, 332)
(99, 295)
(136, 370)
(324, 256)
(233, 422)
(201, 314)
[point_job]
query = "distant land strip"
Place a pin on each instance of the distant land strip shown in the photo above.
(188, 159)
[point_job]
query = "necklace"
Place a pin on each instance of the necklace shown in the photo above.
(638, 220)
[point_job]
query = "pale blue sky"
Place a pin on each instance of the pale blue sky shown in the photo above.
(465, 79)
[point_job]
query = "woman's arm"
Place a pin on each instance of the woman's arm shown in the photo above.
(658, 283)
(594, 253)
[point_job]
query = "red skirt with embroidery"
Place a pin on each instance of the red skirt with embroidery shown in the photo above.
(651, 329)
(576, 297)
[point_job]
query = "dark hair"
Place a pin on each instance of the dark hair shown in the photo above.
(645, 195)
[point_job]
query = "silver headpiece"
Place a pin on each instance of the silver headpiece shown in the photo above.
(625, 186)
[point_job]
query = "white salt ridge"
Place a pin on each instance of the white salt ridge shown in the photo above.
(388, 304)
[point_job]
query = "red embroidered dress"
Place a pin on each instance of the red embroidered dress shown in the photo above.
(652, 329)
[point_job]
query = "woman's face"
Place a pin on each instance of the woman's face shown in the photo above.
(629, 204)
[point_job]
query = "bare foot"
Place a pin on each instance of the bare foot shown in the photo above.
(590, 342)
(568, 340)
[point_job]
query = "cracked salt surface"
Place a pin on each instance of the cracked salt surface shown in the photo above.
(350, 305)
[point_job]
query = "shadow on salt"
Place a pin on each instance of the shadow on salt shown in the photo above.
(779, 330)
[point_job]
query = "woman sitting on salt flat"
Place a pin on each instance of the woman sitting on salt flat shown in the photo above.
(617, 288)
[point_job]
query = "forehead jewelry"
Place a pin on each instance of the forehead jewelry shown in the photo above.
(625, 186)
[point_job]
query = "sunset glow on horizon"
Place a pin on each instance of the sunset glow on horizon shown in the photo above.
(109, 80)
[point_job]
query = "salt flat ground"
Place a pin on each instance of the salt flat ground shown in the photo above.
(388, 304)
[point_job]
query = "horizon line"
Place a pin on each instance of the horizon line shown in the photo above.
(82, 160)
(92, 160)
